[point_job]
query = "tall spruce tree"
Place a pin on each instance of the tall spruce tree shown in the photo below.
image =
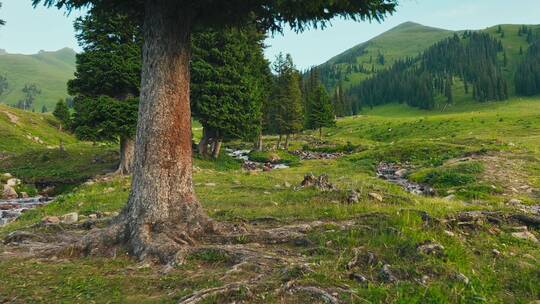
(163, 214)
(319, 112)
(229, 76)
(30, 92)
(108, 71)
(286, 113)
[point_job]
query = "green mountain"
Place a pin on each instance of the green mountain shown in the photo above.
(356, 64)
(408, 40)
(50, 71)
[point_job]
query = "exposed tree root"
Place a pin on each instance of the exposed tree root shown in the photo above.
(290, 287)
(227, 289)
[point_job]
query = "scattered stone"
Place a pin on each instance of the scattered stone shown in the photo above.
(387, 275)
(320, 182)
(6, 176)
(308, 155)
(50, 220)
(9, 193)
(93, 216)
(431, 248)
(496, 252)
(13, 182)
(401, 172)
(357, 277)
(449, 233)
(376, 196)
(287, 184)
(525, 235)
(353, 197)
(462, 278)
(514, 201)
(70, 218)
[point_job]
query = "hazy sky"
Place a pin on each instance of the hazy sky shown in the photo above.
(29, 30)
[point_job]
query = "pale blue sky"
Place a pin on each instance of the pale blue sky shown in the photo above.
(29, 30)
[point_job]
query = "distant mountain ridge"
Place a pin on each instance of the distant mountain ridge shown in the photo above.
(49, 70)
(408, 40)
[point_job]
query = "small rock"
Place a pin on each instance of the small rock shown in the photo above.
(353, 197)
(70, 218)
(9, 193)
(462, 278)
(376, 196)
(287, 184)
(525, 235)
(514, 201)
(6, 176)
(401, 173)
(13, 182)
(449, 233)
(357, 277)
(431, 248)
(387, 274)
(496, 252)
(50, 220)
(93, 216)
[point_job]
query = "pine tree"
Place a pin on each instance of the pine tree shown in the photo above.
(44, 109)
(229, 77)
(287, 112)
(4, 84)
(30, 92)
(448, 90)
(163, 214)
(61, 112)
(108, 70)
(320, 114)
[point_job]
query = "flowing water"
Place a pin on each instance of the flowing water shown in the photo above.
(11, 209)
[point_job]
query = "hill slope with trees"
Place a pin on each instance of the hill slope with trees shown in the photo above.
(49, 71)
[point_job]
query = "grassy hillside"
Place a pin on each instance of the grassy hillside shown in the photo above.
(408, 40)
(483, 153)
(49, 70)
(405, 40)
(30, 150)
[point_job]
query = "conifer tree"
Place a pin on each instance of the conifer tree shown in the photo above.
(61, 112)
(320, 113)
(108, 70)
(2, 22)
(4, 84)
(286, 99)
(44, 109)
(30, 92)
(163, 214)
(229, 76)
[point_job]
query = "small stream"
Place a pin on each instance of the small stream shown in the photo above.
(243, 155)
(396, 175)
(11, 209)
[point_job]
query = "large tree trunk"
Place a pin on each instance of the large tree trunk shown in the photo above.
(127, 150)
(259, 142)
(216, 147)
(163, 213)
(203, 144)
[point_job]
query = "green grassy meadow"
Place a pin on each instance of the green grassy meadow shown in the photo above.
(497, 148)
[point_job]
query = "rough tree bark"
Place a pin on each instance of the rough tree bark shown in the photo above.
(163, 213)
(203, 144)
(216, 149)
(258, 146)
(127, 150)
